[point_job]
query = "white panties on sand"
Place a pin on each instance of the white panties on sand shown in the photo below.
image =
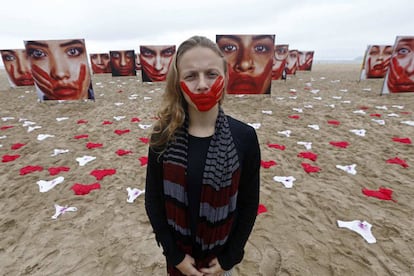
(62, 209)
(45, 186)
(363, 228)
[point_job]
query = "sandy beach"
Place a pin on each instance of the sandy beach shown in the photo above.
(328, 108)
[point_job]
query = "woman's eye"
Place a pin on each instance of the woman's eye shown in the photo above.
(403, 51)
(168, 52)
(189, 77)
(212, 75)
(261, 48)
(74, 52)
(229, 48)
(9, 57)
(36, 53)
(147, 53)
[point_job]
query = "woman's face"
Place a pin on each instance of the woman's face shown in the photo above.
(17, 67)
(378, 61)
(100, 63)
(279, 62)
(305, 59)
(156, 60)
(123, 63)
(401, 72)
(199, 69)
(250, 61)
(292, 62)
(60, 68)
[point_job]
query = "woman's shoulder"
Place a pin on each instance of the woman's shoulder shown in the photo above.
(241, 130)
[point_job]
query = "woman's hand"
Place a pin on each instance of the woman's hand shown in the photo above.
(187, 267)
(214, 269)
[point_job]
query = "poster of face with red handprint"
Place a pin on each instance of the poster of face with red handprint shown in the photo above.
(400, 74)
(60, 69)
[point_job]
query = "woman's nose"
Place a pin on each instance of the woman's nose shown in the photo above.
(245, 62)
(59, 68)
(202, 84)
(158, 64)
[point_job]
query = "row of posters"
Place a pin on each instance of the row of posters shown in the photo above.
(59, 68)
(394, 63)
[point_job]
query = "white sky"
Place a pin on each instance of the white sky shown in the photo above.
(334, 29)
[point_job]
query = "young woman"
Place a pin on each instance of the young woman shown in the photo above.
(202, 186)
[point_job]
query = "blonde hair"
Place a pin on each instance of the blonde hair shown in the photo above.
(173, 107)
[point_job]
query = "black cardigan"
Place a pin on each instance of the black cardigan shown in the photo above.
(248, 149)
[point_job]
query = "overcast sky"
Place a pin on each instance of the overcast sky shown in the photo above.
(334, 29)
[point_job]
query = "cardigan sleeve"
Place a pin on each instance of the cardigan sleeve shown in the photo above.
(247, 202)
(155, 208)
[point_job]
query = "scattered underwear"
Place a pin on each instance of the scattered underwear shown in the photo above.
(261, 209)
(133, 194)
(398, 161)
(59, 151)
(63, 209)
(308, 145)
(17, 146)
(143, 160)
(100, 174)
(84, 189)
(382, 193)
(42, 137)
(308, 155)
(121, 131)
(45, 186)
(85, 159)
(57, 170)
(285, 132)
(348, 168)
(267, 164)
(277, 146)
(359, 132)
(340, 144)
(287, 181)
(402, 140)
(362, 228)
(309, 168)
(30, 169)
(90, 145)
(121, 152)
(9, 158)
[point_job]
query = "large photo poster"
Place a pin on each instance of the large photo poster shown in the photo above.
(101, 63)
(250, 61)
(376, 61)
(123, 63)
(305, 60)
(155, 61)
(292, 62)
(60, 69)
(400, 74)
(17, 67)
(279, 62)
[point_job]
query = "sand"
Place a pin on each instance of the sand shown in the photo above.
(298, 235)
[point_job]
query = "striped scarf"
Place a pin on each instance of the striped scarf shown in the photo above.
(218, 193)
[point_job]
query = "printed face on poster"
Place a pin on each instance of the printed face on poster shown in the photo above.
(376, 61)
(60, 69)
(400, 74)
(155, 61)
(305, 60)
(292, 62)
(250, 61)
(101, 63)
(279, 61)
(17, 67)
(123, 63)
